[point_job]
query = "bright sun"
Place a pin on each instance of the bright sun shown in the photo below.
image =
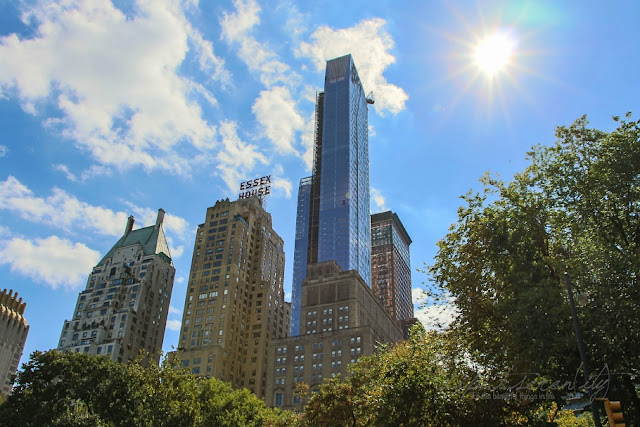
(493, 53)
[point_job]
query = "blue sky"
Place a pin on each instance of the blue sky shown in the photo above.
(110, 109)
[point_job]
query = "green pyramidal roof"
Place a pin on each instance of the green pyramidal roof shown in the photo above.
(151, 239)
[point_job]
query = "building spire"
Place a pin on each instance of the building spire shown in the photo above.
(129, 226)
(160, 217)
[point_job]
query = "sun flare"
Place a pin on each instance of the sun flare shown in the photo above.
(493, 54)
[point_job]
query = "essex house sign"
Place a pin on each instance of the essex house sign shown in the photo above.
(255, 187)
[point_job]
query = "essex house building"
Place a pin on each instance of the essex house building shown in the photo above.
(124, 307)
(234, 308)
(13, 336)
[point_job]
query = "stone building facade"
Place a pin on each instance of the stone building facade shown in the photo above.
(125, 304)
(13, 336)
(341, 321)
(234, 308)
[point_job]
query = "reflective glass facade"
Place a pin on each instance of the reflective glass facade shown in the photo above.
(300, 252)
(339, 219)
(344, 218)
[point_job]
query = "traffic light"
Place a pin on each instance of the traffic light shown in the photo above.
(614, 412)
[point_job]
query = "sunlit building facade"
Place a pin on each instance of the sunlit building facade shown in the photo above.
(125, 304)
(391, 264)
(234, 307)
(342, 321)
(13, 336)
(336, 196)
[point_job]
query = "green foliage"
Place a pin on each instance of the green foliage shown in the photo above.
(576, 208)
(77, 390)
(510, 357)
(419, 382)
(569, 419)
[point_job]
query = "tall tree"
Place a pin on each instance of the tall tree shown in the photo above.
(575, 208)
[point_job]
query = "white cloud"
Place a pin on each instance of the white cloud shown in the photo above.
(171, 223)
(3, 148)
(433, 315)
(66, 212)
(174, 325)
(114, 79)
(59, 209)
(295, 24)
(173, 310)
(65, 170)
(237, 159)
(280, 182)
(370, 46)
(418, 295)
(176, 251)
(93, 171)
(236, 28)
(208, 61)
(54, 261)
(378, 199)
(276, 111)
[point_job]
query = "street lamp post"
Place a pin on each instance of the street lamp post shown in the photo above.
(583, 355)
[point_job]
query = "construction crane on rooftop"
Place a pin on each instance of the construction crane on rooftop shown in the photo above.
(370, 99)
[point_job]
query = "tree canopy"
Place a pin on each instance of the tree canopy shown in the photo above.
(409, 384)
(81, 390)
(575, 208)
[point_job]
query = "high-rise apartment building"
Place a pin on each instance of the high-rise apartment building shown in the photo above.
(234, 307)
(125, 304)
(342, 321)
(13, 336)
(391, 264)
(333, 204)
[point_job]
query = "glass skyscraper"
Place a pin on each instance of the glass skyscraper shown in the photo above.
(333, 221)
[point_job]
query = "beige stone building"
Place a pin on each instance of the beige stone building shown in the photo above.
(13, 335)
(125, 304)
(341, 321)
(234, 307)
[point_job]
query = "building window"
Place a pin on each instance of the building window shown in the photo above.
(278, 399)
